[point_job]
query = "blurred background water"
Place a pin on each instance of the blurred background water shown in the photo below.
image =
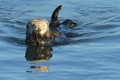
(92, 55)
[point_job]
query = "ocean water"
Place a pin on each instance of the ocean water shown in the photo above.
(92, 54)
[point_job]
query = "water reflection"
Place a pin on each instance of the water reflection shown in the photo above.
(38, 54)
(40, 68)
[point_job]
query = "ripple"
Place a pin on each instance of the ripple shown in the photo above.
(104, 26)
(5, 20)
(13, 40)
(93, 48)
(16, 41)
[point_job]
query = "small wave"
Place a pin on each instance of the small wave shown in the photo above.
(17, 41)
(104, 26)
(13, 40)
(102, 39)
(5, 20)
(19, 22)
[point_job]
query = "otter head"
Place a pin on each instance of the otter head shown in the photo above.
(38, 32)
(69, 23)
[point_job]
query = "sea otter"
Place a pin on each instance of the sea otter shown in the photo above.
(40, 32)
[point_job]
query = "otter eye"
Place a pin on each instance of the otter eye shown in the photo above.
(73, 23)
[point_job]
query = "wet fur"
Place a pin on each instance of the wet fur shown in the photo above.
(34, 37)
(34, 34)
(54, 18)
(55, 24)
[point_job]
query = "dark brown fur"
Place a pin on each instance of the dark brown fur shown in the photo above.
(54, 18)
(55, 23)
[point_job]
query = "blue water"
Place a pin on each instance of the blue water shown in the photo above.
(93, 54)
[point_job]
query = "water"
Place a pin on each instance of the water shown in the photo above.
(93, 53)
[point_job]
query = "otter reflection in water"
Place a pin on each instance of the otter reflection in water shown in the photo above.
(38, 54)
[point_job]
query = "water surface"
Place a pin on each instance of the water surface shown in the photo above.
(93, 53)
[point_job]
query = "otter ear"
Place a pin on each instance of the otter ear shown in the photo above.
(54, 18)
